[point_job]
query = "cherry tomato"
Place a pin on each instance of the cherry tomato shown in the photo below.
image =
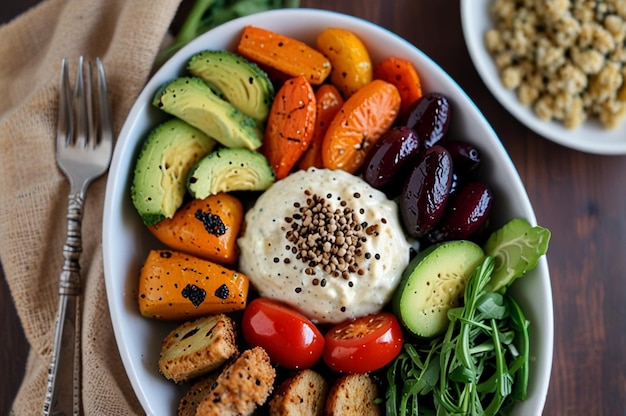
(363, 344)
(290, 339)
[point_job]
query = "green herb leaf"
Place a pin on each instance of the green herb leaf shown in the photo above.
(480, 365)
(516, 248)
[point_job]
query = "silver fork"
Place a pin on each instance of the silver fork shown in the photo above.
(83, 151)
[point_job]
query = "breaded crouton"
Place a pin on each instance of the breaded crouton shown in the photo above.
(197, 347)
(189, 403)
(242, 385)
(353, 395)
(302, 394)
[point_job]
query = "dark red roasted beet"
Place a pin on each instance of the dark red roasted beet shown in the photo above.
(392, 151)
(429, 116)
(426, 191)
(466, 212)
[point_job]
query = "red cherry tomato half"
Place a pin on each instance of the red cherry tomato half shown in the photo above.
(363, 344)
(290, 338)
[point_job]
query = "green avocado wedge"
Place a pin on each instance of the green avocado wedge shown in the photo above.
(516, 248)
(227, 169)
(166, 157)
(241, 82)
(433, 282)
(192, 100)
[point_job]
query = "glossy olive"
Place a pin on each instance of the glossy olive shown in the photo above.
(426, 191)
(466, 160)
(465, 155)
(466, 212)
(429, 116)
(392, 151)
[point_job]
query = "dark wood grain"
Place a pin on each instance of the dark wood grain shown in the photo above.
(15, 347)
(579, 197)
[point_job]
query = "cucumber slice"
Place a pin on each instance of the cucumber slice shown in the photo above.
(433, 283)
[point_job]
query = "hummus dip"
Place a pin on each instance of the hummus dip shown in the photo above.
(326, 243)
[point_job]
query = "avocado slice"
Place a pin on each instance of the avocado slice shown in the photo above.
(166, 157)
(192, 100)
(433, 282)
(230, 169)
(239, 81)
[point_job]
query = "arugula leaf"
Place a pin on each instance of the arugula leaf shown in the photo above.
(516, 248)
(480, 365)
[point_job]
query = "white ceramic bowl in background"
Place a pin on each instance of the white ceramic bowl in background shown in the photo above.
(590, 137)
(126, 241)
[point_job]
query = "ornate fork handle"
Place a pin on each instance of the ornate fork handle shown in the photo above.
(73, 247)
(66, 351)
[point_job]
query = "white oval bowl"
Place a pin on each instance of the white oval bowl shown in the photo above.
(590, 137)
(126, 240)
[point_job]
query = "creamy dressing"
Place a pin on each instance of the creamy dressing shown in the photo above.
(345, 268)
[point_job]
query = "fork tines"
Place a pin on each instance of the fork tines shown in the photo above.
(77, 122)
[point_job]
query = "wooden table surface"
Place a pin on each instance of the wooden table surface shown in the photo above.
(579, 197)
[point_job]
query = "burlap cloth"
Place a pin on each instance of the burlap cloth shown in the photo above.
(127, 34)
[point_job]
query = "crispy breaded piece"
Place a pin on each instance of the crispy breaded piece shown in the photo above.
(242, 385)
(197, 347)
(189, 403)
(302, 394)
(353, 395)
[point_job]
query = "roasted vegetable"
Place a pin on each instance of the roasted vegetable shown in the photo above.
(328, 101)
(350, 60)
(360, 122)
(283, 53)
(404, 76)
(175, 285)
(205, 15)
(207, 228)
(290, 125)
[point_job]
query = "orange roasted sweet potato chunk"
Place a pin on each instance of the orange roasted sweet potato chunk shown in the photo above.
(175, 286)
(207, 228)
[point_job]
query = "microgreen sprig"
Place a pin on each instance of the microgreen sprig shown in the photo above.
(471, 369)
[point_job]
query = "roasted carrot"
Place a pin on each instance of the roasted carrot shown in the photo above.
(290, 125)
(285, 54)
(350, 60)
(360, 122)
(404, 76)
(328, 101)
(207, 228)
(175, 285)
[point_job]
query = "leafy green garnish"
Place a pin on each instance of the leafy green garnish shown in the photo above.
(207, 14)
(516, 248)
(480, 365)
